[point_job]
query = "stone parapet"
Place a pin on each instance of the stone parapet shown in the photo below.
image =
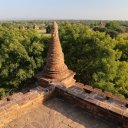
(18, 104)
(93, 100)
(101, 104)
(100, 92)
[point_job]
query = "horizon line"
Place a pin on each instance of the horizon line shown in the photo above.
(32, 19)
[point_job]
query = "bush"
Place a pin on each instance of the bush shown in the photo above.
(112, 33)
(2, 93)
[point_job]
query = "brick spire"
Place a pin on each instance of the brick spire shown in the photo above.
(56, 70)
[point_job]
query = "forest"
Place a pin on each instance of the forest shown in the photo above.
(97, 51)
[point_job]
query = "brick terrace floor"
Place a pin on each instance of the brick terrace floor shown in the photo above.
(57, 113)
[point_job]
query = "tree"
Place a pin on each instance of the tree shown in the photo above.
(20, 55)
(112, 33)
(122, 46)
(48, 29)
(111, 28)
(112, 25)
(94, 57)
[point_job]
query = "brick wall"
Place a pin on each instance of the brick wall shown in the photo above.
(98, 103)
(14, 106)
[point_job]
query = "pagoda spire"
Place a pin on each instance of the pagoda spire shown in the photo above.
(55, 69)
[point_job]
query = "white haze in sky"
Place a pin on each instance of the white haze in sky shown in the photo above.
(64, 9)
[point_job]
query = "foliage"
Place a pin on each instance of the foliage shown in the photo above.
(95, 57)
(20, 56)
(122, 46)
(112, 25)
(48, 29)
(99, 57)
(2, 93)
(111, 28)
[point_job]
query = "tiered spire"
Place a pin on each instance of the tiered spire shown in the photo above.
(56, 69)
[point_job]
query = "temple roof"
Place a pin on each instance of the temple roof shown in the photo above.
(55, 113)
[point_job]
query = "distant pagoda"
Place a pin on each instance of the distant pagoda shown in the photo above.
(56, 70)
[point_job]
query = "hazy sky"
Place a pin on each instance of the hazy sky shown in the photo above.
(64, 9)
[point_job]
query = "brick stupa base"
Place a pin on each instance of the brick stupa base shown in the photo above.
(67, 81)
(56, 70)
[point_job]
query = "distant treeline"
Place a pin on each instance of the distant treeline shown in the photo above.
(86, 22)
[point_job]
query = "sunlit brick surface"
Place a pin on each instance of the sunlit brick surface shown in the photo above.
(56, 113)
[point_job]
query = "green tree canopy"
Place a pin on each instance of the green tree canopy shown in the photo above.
(20, 55)
(95, 58)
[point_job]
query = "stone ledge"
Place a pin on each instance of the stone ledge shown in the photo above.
(96, 102)
(93, 100)
(17, 104)
(99, 91)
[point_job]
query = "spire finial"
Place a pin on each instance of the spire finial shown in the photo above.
(55, 29)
